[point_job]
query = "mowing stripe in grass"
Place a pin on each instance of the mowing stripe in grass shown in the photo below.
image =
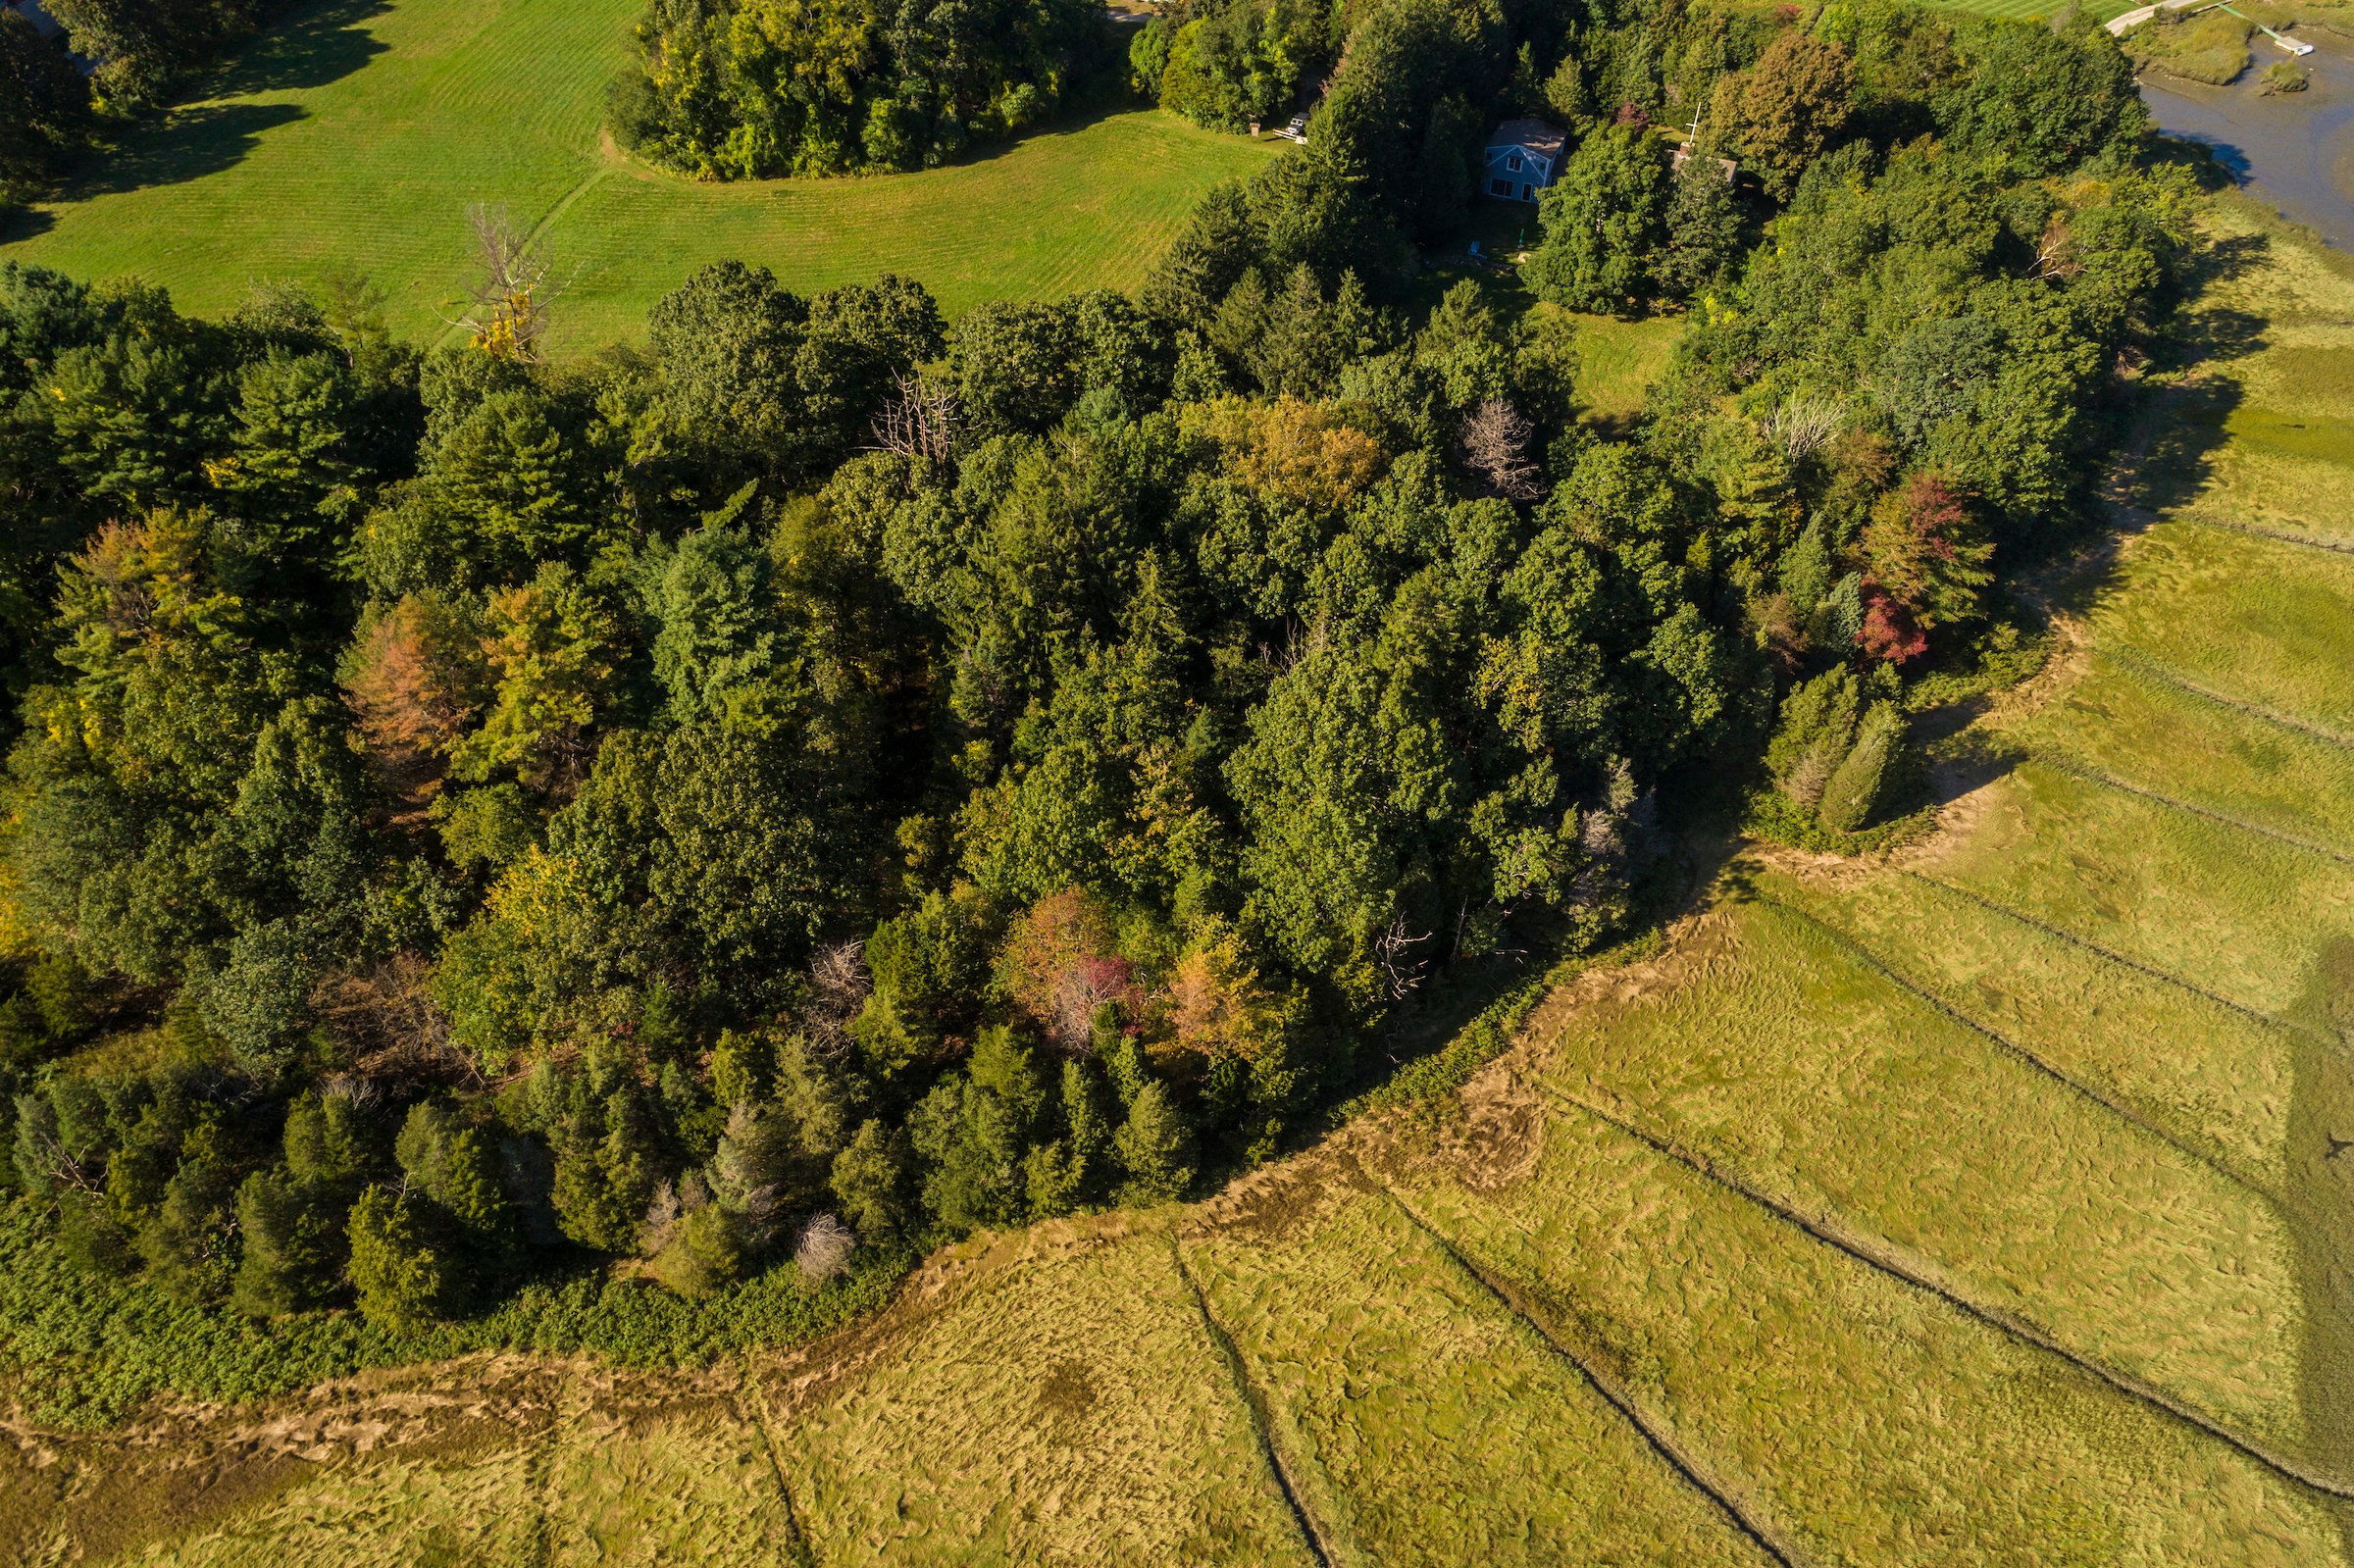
(587, 183)
(1255, 1403)
(2125, 1113)
(2259, 530)
(1664, 1445)
(2124, 960)
(1832, 1233)
(2143, 665)
(2061, 763)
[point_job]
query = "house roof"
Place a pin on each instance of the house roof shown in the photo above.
(1534, 134)
(42, 23)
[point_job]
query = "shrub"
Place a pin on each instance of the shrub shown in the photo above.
(1853, 793)
(1816, 729)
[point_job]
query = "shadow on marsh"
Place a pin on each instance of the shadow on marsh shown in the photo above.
(2167, 457)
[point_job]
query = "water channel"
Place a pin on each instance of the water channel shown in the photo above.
(2292, 150)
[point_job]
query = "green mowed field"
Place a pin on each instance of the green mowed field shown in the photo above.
(2020, 10)
(360, 132)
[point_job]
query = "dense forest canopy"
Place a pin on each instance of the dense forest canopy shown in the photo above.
(740, 89)
(830, 778)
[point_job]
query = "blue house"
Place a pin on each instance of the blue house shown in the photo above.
(1523, 157)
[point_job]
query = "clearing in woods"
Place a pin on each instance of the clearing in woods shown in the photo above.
(358, 131)
(1976, 1206)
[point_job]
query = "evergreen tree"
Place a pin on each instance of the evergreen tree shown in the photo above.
(1816, 731)
(450, 1164)
(189, 1241)
(403, 1282)
(1855, 790)
(1806, 572)
(293, 1246)
(869, 1178)
(605, 1172)
(1155, 1148)
(1703, 228)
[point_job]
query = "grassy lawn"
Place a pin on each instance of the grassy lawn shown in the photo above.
(2098, 10)
(360, 130)
(1618, 361)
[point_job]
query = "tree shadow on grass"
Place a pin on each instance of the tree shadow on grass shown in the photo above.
(1072, 120)
(185, 145)
(314, 46)
(210, 132)
(23, 223)
(2183, 420)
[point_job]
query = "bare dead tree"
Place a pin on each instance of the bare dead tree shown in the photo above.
(839, 985)
(1801, 424)
(920, 422)
(2056, 251)
(1495, 449)
(662, 1218)
(743, 1171)
(386, 1025)
(1395, 953)
(507, 313)
(824, 1249)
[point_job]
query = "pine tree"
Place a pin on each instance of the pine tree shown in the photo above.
(1818, 727)
(451, 1164)
(604, 1173)
(1091, 1131)
(294, 1245)
(870, 1177)
(327, 1142)
(190, 1243)
(1704, 229)
(1838, 621)
(403, 1283)
(1806, 572)
(1155, 1148)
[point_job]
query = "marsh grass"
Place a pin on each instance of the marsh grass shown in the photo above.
(1427, 1424)
(2211, 47)
(1067, 1406)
